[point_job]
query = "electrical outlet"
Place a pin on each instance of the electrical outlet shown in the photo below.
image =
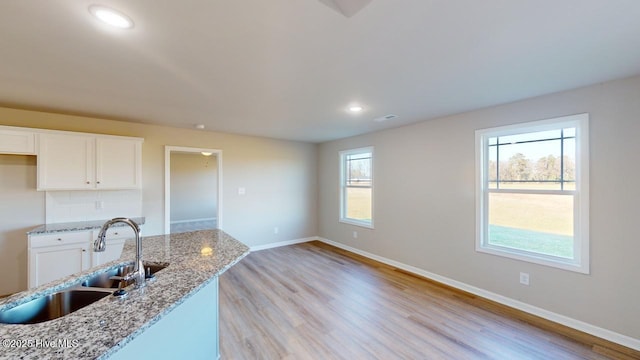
(276, 230)
(242, 191)
(355, 234)
(524, 278)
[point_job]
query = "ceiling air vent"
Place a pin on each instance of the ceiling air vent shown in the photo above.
(385, 118)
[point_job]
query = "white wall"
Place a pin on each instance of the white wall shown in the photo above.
(21, 209)
(194, 186)
(279, 176)
(424, 205)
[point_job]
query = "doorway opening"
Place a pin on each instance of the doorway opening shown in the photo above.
(193, 189)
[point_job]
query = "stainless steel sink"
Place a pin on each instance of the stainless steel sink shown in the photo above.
(51, 306)
(61, 303)
(104, 280)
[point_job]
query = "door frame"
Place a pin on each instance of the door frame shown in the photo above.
(167, 181)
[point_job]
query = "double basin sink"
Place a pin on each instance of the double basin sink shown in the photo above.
(75, 297)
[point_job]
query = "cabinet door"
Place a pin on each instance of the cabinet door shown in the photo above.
(17, 142)
(55, 262)
(66, 162)
(118, 163)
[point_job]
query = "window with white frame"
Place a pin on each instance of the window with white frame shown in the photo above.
(356, 187)
(533, 192)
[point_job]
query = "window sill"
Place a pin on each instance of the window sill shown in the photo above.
(540, 259)
(363, 224)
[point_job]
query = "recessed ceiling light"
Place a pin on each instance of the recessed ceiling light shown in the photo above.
(199, 126)
(206, 153)
(355, 108)
(111, 17)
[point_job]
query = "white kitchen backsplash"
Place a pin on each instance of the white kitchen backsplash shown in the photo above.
(72, 206)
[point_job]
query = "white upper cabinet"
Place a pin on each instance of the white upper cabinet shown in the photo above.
(66, 162)
(77, 161)
(17, 141)
(118, 163)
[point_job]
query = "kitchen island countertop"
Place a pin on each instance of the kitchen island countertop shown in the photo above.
(102, 328)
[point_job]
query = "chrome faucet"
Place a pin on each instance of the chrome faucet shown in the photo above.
(100, 245)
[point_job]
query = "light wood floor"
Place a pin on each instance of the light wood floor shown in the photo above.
(314, 301)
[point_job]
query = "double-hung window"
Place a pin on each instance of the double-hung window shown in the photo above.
(532, 192)
(356, 187)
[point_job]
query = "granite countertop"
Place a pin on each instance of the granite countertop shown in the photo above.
(100, 329)
(77, 226)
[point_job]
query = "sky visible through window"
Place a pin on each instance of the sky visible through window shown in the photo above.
(535, 150)
(543, 156)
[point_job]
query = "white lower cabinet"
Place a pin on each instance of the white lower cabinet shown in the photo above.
(54, 256)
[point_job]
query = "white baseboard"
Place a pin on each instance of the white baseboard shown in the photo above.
(282, 243)
(560, 319)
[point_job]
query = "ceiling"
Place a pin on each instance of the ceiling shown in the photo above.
(289, 69)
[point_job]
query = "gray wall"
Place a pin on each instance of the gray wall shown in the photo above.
(21, 209)
(194, 186)
(424, 204)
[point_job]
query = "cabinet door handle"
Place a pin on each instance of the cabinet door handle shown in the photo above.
(84, 250)
(97, 182)
(59, 239)
(88, 182)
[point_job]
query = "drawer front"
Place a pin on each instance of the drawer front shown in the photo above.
(61, 238)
